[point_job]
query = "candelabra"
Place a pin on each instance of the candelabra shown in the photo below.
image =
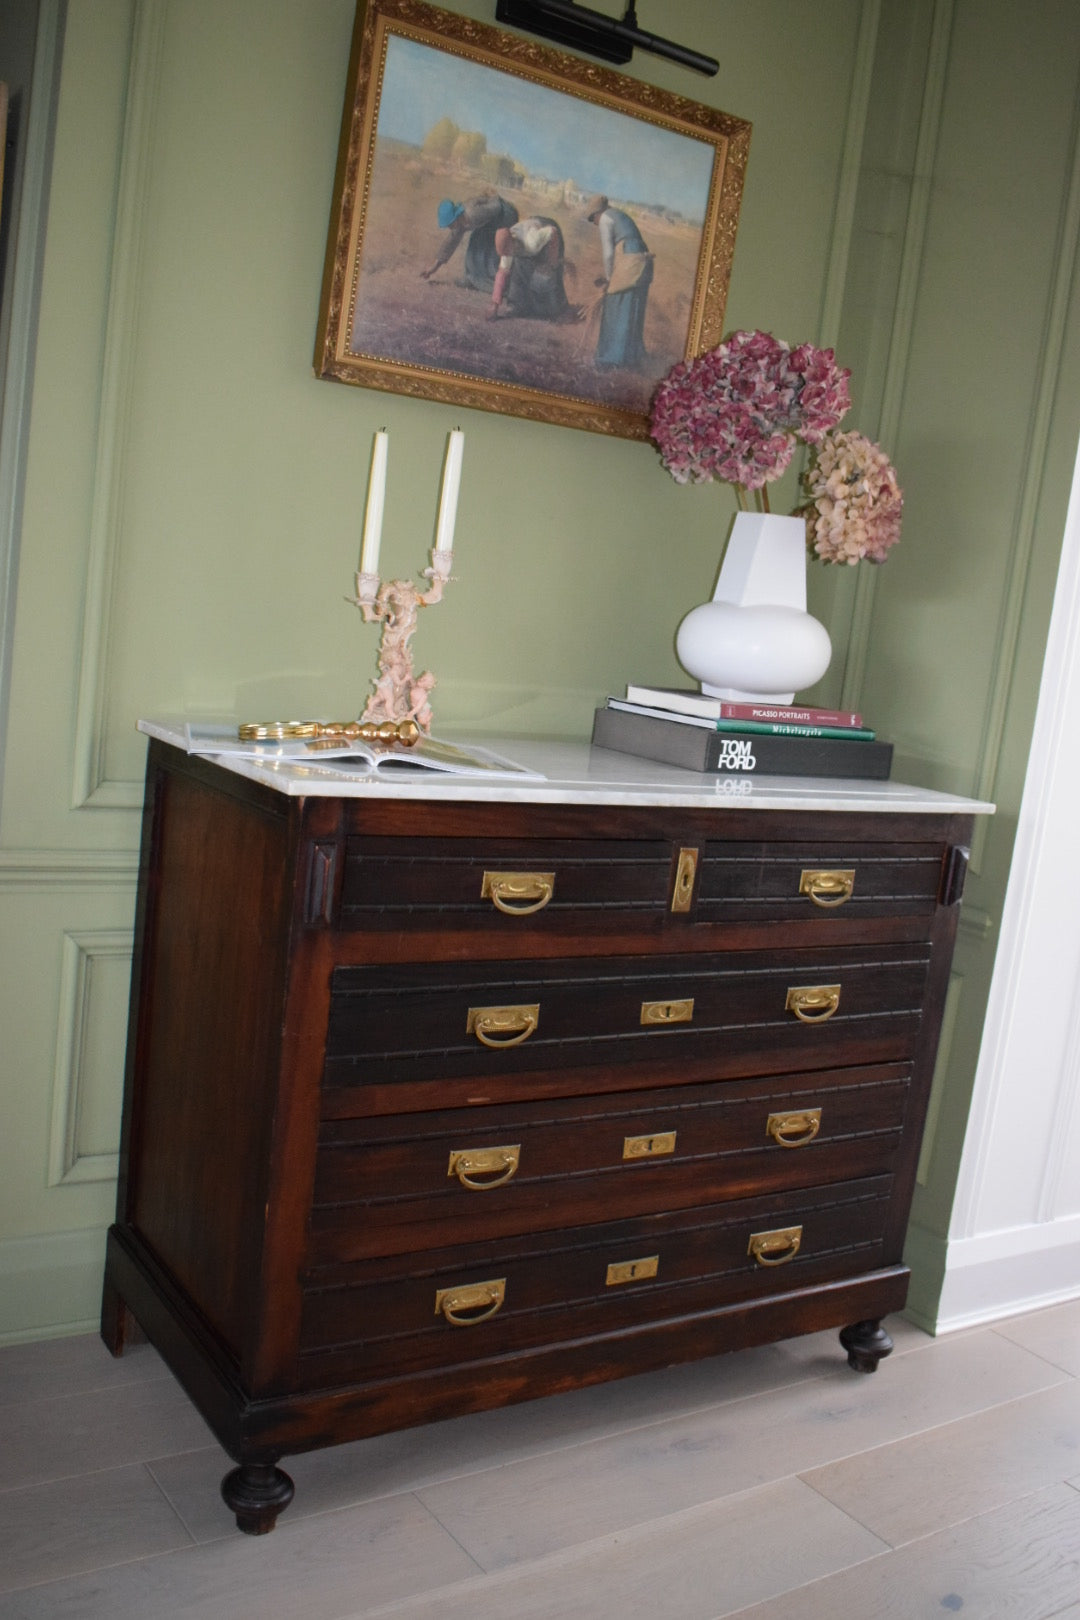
(398, 694)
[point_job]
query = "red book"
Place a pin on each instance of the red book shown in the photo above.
(683, 701)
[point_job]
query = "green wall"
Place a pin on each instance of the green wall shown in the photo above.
(194, 495)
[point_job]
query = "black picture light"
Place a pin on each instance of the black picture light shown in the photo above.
(596, 34)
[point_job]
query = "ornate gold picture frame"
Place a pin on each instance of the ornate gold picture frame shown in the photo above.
(518, 229)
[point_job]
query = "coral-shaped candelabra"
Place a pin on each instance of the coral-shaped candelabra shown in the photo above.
(398, 693)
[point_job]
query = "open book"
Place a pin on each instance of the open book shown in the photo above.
(357, 758)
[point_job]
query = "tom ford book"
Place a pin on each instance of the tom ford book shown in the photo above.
(739, 753)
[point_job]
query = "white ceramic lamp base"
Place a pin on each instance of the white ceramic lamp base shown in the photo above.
(755, 641)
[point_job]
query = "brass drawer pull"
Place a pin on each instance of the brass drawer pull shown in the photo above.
(485, 1297)
(775, 1248)
(667, 1012)
(498, 1163)
(827, 888)
(502, 1026)
(813, 1003)
(648, 1147)
(519, 894)
(685, 873)
(794, 1130)
(633, 1270)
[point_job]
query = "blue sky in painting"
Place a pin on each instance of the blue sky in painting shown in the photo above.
(549, 132)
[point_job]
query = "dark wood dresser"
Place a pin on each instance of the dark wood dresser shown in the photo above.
(443, 1096)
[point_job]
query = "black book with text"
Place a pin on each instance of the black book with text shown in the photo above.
(739, 754)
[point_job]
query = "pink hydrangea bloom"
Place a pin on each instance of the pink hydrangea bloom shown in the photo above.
(736, 412)
(855, 502)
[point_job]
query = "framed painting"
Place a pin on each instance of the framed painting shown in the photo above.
(518, 229)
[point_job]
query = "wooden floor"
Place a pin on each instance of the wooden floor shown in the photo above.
(774, 1483)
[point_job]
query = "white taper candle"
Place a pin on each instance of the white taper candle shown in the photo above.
(448, 499)
(373, 513)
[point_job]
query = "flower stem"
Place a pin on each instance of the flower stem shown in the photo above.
(765, 507)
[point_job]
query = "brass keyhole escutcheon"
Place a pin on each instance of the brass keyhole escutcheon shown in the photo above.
(648, 1147)
(685, 874)
(625, 1271)
(655, 1013)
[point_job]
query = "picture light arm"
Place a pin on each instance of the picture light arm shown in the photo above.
(598, 35)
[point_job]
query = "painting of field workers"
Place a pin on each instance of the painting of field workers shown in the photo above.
(523, 235)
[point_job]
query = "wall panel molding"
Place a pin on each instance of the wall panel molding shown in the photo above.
(1058, 1192)
(18, 337)
(941, 1069)
(69, 1160)
(903, 322)
(843, 221)
(67, 868)
(90, 788)
(1022, 543)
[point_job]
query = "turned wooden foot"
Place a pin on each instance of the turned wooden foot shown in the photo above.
(866, 1344)
(257, 1493)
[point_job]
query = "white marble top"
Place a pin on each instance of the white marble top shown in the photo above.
(576, 773)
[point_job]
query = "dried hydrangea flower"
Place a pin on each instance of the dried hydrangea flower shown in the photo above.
(736, 412)
(855, 506)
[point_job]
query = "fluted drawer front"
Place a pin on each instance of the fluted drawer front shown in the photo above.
(482, 1020)
(750, 882)
(388, 1185)
(502, 884)
(447, 1306)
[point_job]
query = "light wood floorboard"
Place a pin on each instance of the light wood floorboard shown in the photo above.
(771, 1484)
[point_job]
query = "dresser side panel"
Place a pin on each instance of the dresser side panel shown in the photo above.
(213, 975)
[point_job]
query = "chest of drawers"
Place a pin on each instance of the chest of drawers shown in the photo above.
(437, 1101)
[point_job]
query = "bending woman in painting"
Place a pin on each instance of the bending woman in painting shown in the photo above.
(529, 280)
(628, 273)
(477, 218)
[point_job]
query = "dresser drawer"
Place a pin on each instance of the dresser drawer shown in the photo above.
(772, 881)
(449, 1306)
(420, 883)
(389, 1185)
(672, 1018)
(406, 884)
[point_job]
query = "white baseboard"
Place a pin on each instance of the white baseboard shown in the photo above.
(50, 1285)
(1006, 1273)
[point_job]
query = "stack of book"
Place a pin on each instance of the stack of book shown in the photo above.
(700, 733)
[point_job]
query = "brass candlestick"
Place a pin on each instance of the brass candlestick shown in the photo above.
(398, 694)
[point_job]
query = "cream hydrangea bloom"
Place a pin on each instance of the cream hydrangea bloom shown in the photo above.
(855, 502)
